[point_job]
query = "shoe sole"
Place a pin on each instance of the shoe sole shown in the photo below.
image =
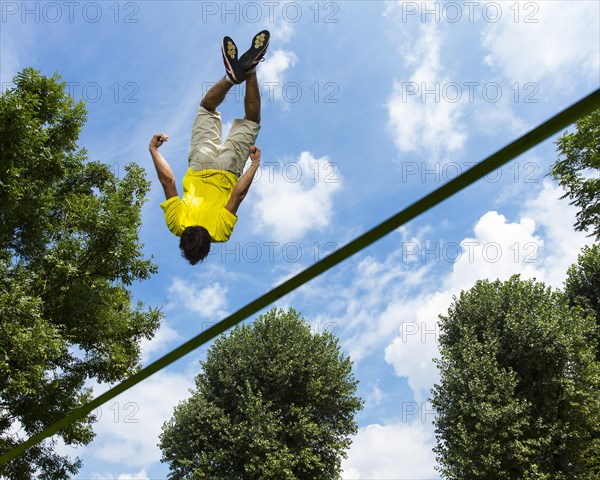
(252, 57)
(232, 64)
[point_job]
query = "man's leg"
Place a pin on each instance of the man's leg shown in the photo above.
(206, 130)
(249, 60)
(216, 94)
(243, 133)
(252, 98)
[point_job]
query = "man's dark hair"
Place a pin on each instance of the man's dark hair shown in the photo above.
(195, 244)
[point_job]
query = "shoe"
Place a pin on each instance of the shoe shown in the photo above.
(230, 59)
(255, 54)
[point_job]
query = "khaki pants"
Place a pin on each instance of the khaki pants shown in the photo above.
(207, 153)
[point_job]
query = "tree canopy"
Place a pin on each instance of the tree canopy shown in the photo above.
(273, 400)
(518, 396)
(70, 248)
(583, 291)
(583, 284)
(577, 170)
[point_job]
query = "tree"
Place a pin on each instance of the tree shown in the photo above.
(518, 395)
(583, 290)
(70, 248)
(577, 171)
(583, 284)
(273, 400)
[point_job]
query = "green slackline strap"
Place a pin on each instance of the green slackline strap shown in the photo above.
(539, 134)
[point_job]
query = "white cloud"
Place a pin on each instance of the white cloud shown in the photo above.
(391, 452)
(208, 302)
(491, 117)
(161, 340)
(397, 300)
(499, 249)
(296, 198)
(282, 32)
(284, 272)
(411, 353)
(375, 397)
(274, 67)
(555, 219)
(129, 426)
(541, 245)
(425, 122)
(371, 308)
(141, 475)
(272, 72)
(551, 40)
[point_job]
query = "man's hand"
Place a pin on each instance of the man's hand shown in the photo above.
(255, 154)
(165, 174)
(158, 139)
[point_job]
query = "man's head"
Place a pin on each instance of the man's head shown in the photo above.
(195, 244)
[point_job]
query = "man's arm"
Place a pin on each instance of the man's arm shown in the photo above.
(165, 174)
(241, 188)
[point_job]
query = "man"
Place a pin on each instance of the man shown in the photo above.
(214, 186)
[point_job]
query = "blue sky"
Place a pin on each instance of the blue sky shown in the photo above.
(367, 106)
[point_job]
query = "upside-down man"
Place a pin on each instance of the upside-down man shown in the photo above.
(214, 185)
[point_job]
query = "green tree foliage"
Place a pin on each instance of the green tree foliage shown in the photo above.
(583, 290)
(70, 247)
(577, 171)
(518, 397)
(273, 401)
(583, 284)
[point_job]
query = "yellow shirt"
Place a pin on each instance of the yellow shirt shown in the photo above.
(205, 194)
